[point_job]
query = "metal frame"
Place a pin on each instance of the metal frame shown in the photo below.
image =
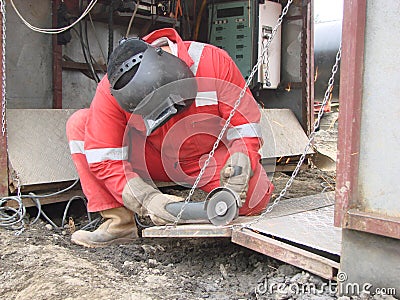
(351, 66)
(57, 61)
(293, 255)
(347, 208)
(307, 66)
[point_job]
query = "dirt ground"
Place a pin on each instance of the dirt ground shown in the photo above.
(41, 263)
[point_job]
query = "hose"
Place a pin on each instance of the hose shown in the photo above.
(198, 21)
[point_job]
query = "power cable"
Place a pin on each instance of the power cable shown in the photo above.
(54, 30)
(97, 39)
(110, 29)
(85, 55)
(132, 18)
(93, 59)
(14, 217)
(140, 224)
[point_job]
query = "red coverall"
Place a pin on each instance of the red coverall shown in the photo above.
(109, 145)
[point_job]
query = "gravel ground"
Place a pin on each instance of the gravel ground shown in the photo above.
(41, 263)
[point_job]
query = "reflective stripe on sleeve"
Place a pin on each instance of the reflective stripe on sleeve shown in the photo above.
(103, 154)
(76, 147)
(243, 131)
(206, 98)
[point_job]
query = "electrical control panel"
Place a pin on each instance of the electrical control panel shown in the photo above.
(231, 28)
(242, 28)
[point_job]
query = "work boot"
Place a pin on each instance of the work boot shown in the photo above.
(119, 227)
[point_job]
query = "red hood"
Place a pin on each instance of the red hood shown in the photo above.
(174, 37)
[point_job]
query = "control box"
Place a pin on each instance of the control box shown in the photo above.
(242, 28)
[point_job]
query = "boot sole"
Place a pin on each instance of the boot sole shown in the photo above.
(102, 244)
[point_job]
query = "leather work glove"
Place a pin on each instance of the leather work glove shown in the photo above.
(145, 200)
(236, 174)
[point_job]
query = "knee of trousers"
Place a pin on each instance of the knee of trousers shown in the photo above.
(75, 127)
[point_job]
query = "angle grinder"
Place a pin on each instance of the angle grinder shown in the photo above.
(220, 208)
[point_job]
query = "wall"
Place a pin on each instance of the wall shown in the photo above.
(380, 120)
(28, 56)
(367, 198)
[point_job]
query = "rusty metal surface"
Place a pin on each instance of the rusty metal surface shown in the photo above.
(306, 260)
(351, 77)
(38, 147)
(313, 228)
(373, 223)
(282, 133)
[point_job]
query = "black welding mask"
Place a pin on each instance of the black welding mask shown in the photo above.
(150, 82)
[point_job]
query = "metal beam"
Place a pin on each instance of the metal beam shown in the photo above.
(308, 69)
(351, 81)
(57, 61)
(303, 259)
(373, 223)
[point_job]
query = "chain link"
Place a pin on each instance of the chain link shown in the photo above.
(232, 113)
(308, 146)
(3, 60)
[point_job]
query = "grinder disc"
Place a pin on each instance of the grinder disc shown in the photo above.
(222, 208)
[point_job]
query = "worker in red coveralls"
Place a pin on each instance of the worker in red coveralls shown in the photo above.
(156, 116)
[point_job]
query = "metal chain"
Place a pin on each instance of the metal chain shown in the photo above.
(267, 73)
(3, 59)
(308, 146)
(233, 111)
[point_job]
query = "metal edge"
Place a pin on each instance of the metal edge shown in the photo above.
(350, 93)
(303, 259)
(372, 223)
(310, 66)
(27, 202)
(189, 231)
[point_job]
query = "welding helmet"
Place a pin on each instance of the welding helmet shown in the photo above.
(148, 81)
